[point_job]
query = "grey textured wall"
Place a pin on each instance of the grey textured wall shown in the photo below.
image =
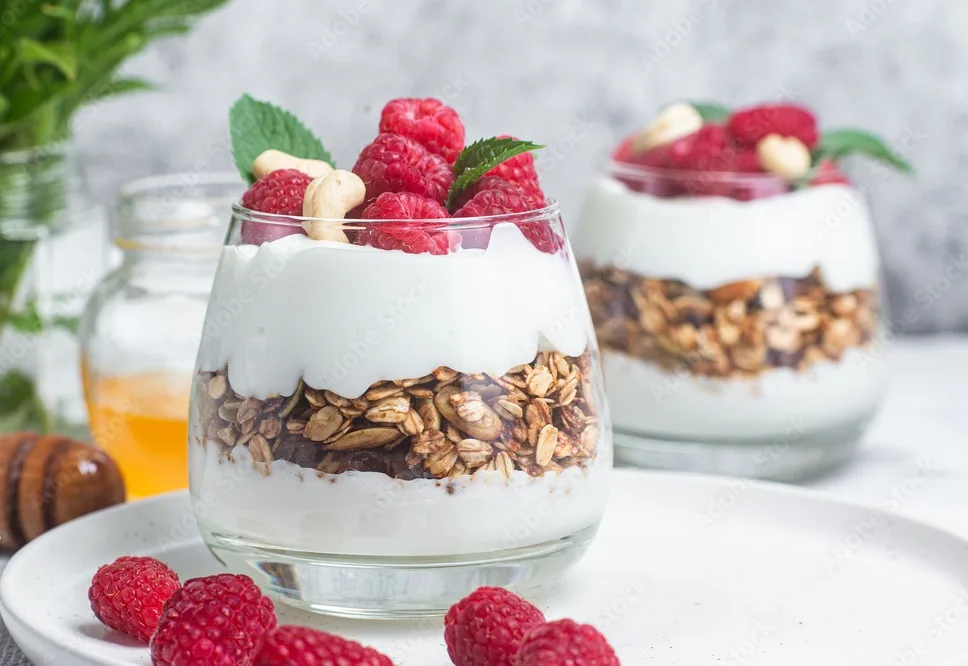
(577, 75)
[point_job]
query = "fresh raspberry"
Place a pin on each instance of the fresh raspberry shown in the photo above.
(128, 594)
(828, 173)
(520, 169)
(495, 196)
(486, 627)
(565, 642)
(704, 150)
(429, 122)
(413, 238)
(396, 163)
(289, 645)
(748, 126)
(213, 621)
(280, 192)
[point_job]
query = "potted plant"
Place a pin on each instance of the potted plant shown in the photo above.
(55, 57)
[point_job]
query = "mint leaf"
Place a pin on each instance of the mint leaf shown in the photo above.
(257, 126)
(836, 144)
(710, 111)
(479, 158)
(28, 321)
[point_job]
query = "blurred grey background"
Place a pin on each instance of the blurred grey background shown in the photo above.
(578, 75)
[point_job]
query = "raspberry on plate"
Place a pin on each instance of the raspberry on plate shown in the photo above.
(128, 594)
(748, 126)
(289, 645)
(486, 627)
(430, 122)
(280, 192)
(565, 642)
(213, 621)
(520, 170)
(413, 238)
(396, 163)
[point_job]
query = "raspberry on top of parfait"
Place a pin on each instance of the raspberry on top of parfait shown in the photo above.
(416, 171)
(765, 150)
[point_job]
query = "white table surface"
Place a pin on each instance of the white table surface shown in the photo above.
(915, 458)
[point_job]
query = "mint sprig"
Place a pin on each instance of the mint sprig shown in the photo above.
(710, 111)
(479, 158)
(257, 126)
(837, 144)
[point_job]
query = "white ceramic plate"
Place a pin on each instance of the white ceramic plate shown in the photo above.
(687, 571)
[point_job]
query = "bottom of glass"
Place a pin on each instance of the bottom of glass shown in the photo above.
(386, 587)
(789, 457)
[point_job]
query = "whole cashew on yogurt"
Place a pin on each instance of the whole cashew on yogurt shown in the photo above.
(272, 160)
(328, 200)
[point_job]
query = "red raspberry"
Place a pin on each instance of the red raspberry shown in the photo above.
(413, 238)
(430, 122)
(748, 126)
(495, 196)
(520, 169)
(395, 163)
(213, 621)
(565, 642)
(280, 193)
(486, 627)
(289, 645)
(128, 594)
(705, 150)
(828, 173)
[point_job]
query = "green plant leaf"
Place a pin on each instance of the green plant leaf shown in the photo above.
(479, 158)
(57, 54)
(122, 86)
(837, 144)
(257, 126)
(710, 111)
(27, 320)
(70, 324)
(20, 406)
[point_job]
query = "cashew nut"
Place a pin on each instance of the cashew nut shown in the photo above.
(673, 123)
(328, 200)
(787, 157)
(273, 159)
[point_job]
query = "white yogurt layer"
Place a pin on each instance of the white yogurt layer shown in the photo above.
(782, 402)
(710, 241)
(367, 513)
(344, 316)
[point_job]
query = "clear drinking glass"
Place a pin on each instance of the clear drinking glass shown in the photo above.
(376, 432)
(738, 320)
(142, 325)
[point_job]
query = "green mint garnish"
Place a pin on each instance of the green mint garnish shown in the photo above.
(710, 111)
(479, 158)
(837, 144)
(258, 126)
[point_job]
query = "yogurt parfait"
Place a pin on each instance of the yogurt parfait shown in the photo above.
(398, 395)
(732, 273)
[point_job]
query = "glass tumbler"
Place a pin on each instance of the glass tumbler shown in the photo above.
(739, 320)
(375, 432)
(141, 328)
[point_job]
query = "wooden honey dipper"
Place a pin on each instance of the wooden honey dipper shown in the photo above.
(47, 480)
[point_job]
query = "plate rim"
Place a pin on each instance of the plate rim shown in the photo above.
(821, 497)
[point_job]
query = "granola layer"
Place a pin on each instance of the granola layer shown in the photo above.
(538, 417)
(738, 329)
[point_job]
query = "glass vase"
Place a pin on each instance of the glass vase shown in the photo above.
(52, 251)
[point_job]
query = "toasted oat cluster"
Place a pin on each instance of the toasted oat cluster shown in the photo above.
(735, 330)
(538, 417)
